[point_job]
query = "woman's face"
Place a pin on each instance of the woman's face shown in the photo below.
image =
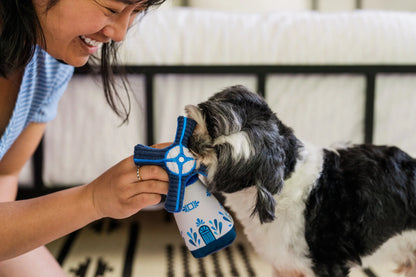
(75, 29)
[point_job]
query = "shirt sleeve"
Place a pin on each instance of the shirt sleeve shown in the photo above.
(48, 109)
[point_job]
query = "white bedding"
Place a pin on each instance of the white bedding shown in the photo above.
(192, 36)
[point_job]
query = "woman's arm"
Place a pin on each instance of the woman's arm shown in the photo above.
(28, 224)
(16, 157)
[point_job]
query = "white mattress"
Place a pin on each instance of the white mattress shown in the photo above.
(192, 36)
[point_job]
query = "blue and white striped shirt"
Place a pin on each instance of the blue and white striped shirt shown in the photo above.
(44, 81)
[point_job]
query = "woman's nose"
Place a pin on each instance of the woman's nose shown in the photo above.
(116, 28)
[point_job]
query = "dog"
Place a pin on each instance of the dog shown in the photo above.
(308, 211)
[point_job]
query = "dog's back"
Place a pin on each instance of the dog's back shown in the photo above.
(366, 195)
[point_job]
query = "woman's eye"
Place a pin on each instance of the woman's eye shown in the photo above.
(112, 10)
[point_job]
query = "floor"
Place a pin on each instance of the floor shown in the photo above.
(149, 245)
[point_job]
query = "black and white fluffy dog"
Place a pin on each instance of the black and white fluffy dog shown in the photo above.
(308, 211)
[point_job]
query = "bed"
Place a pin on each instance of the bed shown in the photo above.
(332, 77)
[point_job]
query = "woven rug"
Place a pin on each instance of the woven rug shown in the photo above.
(149, 245)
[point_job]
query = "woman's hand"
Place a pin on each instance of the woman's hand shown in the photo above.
(118, 193)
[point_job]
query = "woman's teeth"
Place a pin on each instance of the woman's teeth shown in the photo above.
(90, 41)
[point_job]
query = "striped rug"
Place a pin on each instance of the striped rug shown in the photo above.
(149, 245)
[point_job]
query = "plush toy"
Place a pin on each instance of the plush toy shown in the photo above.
(205, 225)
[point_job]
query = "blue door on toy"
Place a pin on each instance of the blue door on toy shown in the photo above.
(206, 234)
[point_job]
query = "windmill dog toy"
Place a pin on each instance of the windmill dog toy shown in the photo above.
(204, 224)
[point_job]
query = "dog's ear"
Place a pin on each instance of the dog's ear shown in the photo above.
(265, 205)
(265, 202)
(270, 175)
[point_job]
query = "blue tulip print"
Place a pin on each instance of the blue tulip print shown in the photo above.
(216, 227)
(199, 222)
(226, 217)
(193, 238)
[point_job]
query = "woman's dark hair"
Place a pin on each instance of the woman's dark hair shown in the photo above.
(20, 31)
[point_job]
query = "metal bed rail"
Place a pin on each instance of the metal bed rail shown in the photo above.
(261, 72)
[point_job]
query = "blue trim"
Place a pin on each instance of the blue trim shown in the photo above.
(216, 245)
(166, 160)
(147, 161)
(183, 130)
(178, 204)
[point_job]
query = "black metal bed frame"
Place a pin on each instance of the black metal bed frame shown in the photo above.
(314, 4)
(260, 71)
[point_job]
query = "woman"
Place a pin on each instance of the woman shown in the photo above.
(40, 43)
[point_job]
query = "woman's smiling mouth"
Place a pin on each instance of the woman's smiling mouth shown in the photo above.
(90, 42)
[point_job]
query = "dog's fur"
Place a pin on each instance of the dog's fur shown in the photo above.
(306, 210)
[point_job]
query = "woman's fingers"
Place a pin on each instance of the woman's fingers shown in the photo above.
(149, 186)
(151, 172)
(145, 193)
(144, 200)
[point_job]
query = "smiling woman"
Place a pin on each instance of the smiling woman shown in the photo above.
(41, 41)
(65, 30)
